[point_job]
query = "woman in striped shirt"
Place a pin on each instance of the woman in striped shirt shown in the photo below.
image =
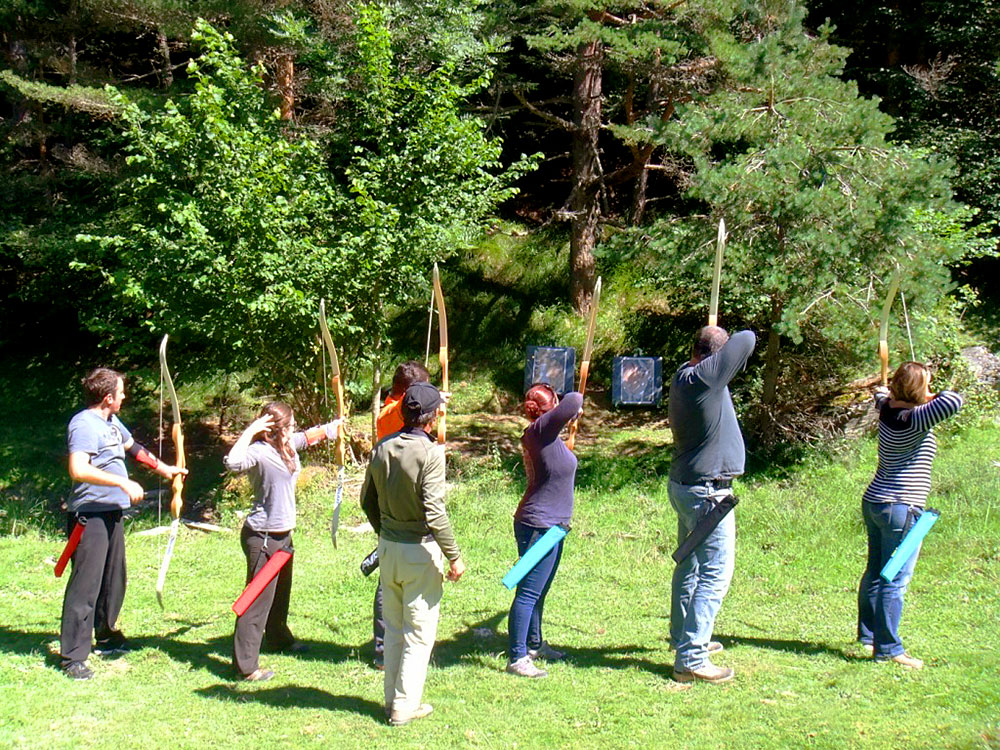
(894, 499)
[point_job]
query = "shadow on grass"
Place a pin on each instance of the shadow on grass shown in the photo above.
(298, 697)
(480, 643)
(28, 642)
(790, 646)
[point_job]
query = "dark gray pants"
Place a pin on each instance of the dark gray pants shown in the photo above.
(267, 618)
(378, 621)
(96, 587)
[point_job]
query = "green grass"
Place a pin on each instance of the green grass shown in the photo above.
(788, 622)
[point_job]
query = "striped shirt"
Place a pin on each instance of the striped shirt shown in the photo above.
(906, 448)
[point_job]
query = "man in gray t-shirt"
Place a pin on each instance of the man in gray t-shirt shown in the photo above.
(708, 453)
(98, 442)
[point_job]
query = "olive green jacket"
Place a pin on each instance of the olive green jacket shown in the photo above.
(403, 493)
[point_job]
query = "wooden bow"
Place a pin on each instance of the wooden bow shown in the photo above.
(442, 352)
(883, 327)
(340, 449)
(585, 363)
(177, 483)
(720, 248)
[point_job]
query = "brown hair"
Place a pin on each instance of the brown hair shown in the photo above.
(909, 382)
(100, 382)
(281, 414)
(539, 399)
(407, 374)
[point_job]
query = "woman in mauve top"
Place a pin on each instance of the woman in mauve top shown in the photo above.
(548, 501)
(894, 500)
(267, 452)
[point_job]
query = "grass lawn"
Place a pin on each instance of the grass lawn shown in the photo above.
(787, 624)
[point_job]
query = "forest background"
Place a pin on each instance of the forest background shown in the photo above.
(212, 170)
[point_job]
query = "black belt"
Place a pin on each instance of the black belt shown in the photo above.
(719, 484)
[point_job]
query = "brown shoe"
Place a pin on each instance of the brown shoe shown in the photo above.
(908, 661)
(708, 673)
(398, 719)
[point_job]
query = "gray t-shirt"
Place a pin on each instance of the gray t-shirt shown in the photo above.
(103, 440)
(273, 485)
(708, 443)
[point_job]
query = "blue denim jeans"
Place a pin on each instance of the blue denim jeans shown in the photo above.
(702, 579)
(524, 625)
(880, 603)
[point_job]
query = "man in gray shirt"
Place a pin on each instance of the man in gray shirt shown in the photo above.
(98, 443)
(708, 453)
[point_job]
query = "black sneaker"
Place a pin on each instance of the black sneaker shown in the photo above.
(113, 646)
(78, 670)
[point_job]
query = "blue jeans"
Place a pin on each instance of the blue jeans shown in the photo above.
(524, 625)
(880, 603)
(702, 579)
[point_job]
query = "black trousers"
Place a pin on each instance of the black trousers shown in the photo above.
(96, 587)
(267, 618)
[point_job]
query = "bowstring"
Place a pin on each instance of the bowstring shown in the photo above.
(326, 396)
(906, 317)
(159, 452)
(430, 324)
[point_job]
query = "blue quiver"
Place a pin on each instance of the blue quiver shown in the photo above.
(910, 543)
(535, 552)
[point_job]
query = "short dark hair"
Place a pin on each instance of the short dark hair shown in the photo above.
(708, 341)
(407, 374)
(100, 382)
(413, 419)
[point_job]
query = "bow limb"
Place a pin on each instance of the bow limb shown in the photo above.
(883, 328)
(340, 448)
(585, 363)
(442, 353)
(177, 483)
(720, 248)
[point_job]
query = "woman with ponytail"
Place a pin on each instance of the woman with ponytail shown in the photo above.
(895, 499)
(267, 452)
(548, 501)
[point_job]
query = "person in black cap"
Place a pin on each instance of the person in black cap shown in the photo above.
(403, 497)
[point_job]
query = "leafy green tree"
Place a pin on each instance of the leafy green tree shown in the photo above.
(222, 233)
(820, 207)
(230, 226)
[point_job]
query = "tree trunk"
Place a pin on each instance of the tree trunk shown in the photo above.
(285, 76)
(376, 383)
(73, 22)
(167, 75)
(585, 201)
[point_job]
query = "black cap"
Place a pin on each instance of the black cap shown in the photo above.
(421, 399)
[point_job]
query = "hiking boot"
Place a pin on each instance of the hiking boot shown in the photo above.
(78, 670)
(707, 673)
(398, 719)
(545, 651)
(525, 667)
(259, 675)
(908, 661)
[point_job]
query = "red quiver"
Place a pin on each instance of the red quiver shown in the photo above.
(69, 549)
(260, 581)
